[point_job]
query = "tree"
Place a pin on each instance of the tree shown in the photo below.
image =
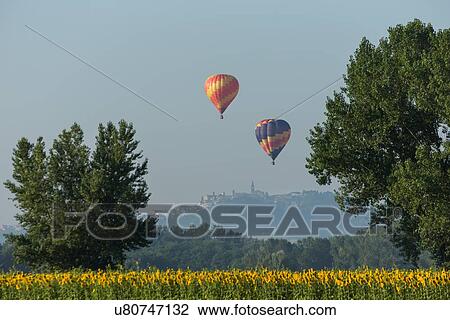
(373, 251)
(7, 259)
(423, 188)
(315, 253)
(396, 97)
(69, 178)
(32, 198)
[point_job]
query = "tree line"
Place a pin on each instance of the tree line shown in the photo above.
(342, 252)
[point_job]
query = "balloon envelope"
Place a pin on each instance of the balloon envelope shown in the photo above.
(221, 89)
(272, 136)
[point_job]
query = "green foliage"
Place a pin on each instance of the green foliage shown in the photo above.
(423, 188)
(7, 262)
(375, 251)
(6, 257)
(315, 253)
(346, 252)
(395, 98)
(69, 178)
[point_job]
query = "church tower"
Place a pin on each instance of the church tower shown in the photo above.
(252, 188)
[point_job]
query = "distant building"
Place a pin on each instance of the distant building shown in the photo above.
(254, 197)
(305, 201)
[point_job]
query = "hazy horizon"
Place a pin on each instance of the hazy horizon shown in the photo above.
(281, 52)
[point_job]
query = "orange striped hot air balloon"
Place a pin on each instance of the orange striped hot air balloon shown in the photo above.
(221, 89)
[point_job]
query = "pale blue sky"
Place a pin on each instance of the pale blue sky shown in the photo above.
(281, 51)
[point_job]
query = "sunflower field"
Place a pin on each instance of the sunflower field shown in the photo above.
(231, 284)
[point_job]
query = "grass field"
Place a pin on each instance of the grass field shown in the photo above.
(233, 284)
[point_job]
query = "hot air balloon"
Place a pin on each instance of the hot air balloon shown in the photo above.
(221, 89)
(272, 136)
